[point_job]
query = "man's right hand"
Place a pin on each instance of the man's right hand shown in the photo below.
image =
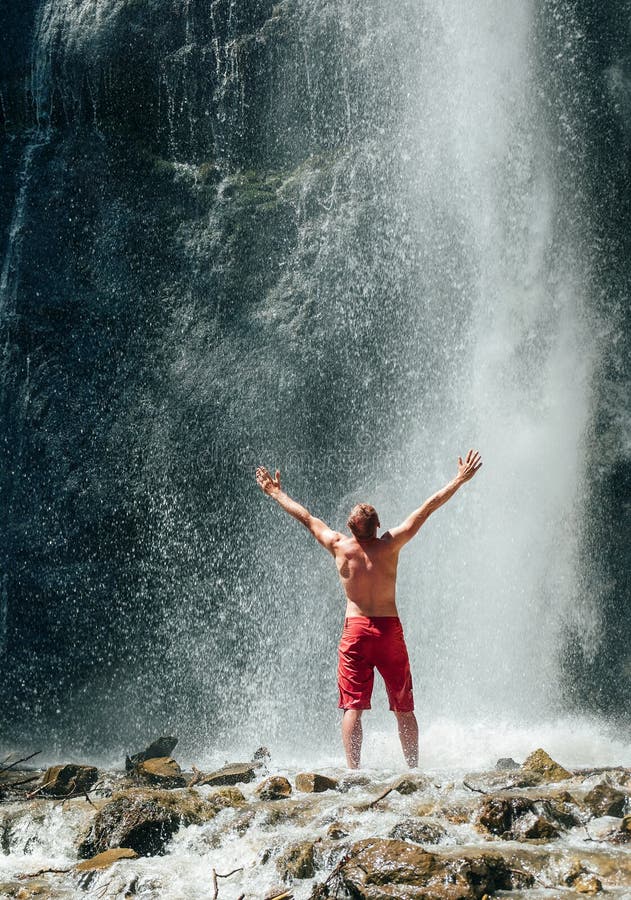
(468, 468)
(268, 485)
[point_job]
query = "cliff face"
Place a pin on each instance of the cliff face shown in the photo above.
(214, 257)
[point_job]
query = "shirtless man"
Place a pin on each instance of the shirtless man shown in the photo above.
(372, 636)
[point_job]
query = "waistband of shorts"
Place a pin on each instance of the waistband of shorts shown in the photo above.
(371, 620)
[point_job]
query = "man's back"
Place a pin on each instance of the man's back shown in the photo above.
(368, 572)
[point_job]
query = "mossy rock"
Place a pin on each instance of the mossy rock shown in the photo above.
(297, 861)
(605, 800)
(517, 818)
(64, 780)
(162, 771)
(541, 764)
(276, 787)
(145, 820)
(314, 783)
(234, 773)
(377, 869)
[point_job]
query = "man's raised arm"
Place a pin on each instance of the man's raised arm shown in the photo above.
(466, 470)
(319, 529)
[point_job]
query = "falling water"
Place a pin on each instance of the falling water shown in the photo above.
(348, 240)
(493, 585)
(480, 266)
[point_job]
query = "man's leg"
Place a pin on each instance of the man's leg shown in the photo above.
(408, 735)
(352, 736)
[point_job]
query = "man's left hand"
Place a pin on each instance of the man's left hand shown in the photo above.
(268, 485)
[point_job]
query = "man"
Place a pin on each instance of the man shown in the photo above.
(372, 636)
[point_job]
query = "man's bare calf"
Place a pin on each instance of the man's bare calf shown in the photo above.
(352, 735)
(408, 735)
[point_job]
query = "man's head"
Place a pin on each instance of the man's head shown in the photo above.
(363, 521)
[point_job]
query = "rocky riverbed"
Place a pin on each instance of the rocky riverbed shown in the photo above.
(251, 831)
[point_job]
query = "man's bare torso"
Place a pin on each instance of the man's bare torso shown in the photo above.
(368, 572)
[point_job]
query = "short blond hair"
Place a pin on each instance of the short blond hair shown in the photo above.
(363, 520)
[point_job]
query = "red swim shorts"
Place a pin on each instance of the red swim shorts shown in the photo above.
(369, 642)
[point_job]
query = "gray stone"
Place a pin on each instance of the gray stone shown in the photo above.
(506, 762)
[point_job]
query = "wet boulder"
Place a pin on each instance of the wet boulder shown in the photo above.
(276, 787)
(297, 861)
(377, 869)
(605, 800)
(65, 780)
(563, 809)
(234, 773)
(145, 820)
(162, 771)
(587, 884)
(540, 764)
(313, 783)
(410, 784)
(623, 834)
(278, 891)
(581, 880)
(337, 831)
(418, 831)
(163, 746)
(227, 798)
(33, 889)
(532, 827)
(353, 780)
(517, 818)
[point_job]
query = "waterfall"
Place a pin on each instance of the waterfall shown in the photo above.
(485, 341)
(494, 584)
(345, 240)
